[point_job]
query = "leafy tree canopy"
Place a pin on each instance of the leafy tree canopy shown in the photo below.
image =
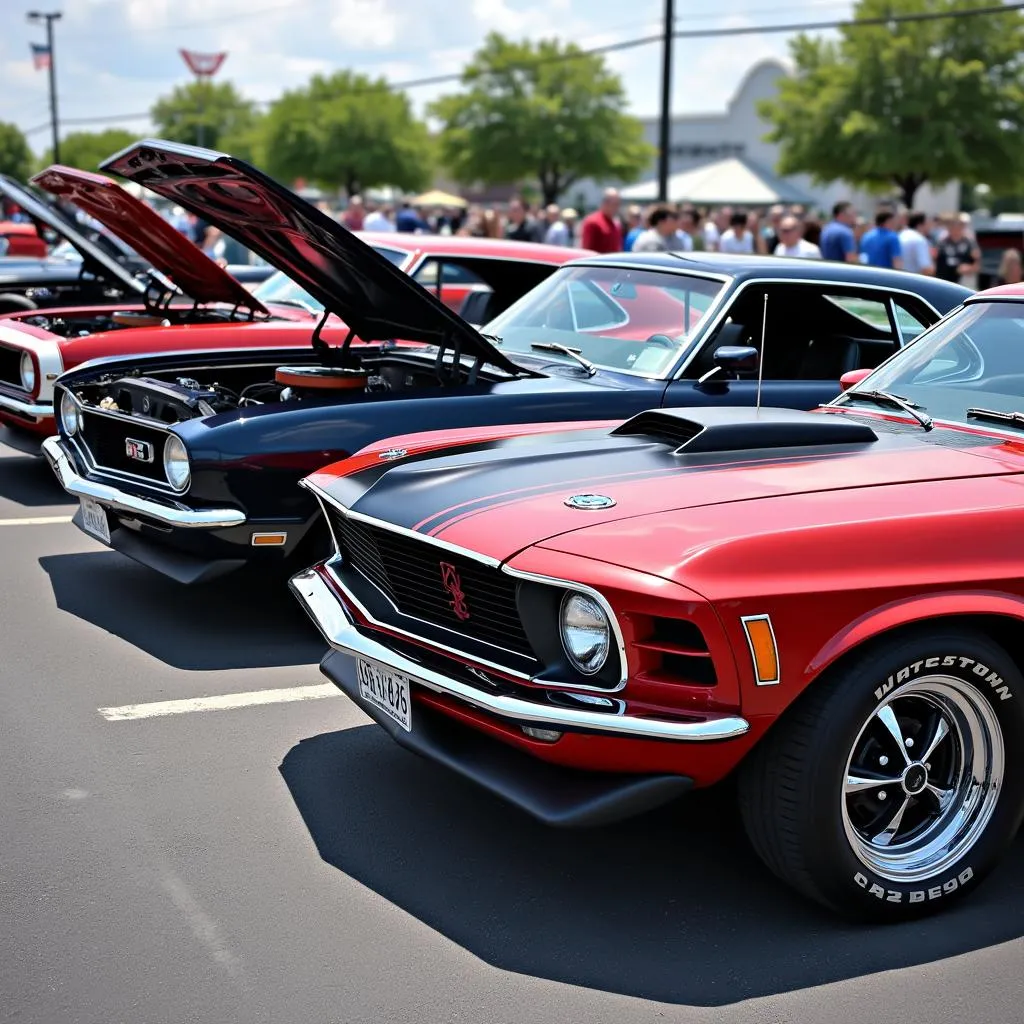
(541, 111)
(87, 150)
(15, 156)
(901, 104)
(347, 129)
(203, 113)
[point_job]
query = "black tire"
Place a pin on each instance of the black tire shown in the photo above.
(11, 303)
(809, 793)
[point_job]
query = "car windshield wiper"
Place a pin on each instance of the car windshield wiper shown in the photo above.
(895, 402)
(572, 353)
(1017, 418)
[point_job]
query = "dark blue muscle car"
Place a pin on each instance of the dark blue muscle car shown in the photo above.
(189, 464)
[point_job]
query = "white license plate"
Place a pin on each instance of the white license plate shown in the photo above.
(94, 520)
(387, 691)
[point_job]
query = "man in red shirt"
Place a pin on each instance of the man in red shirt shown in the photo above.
(601, 229)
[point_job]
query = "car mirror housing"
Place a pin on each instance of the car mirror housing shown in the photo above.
(736, 357)
(849, 379)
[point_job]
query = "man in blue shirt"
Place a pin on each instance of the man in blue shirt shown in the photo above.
(837, 240)
(881, 247)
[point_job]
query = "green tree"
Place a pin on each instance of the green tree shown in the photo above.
(901, 104)
(203, 113)
(540, 111)
(15, 156)
(87, 150)
(347, 129)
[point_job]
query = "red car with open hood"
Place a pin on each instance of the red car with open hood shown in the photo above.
(589, 621)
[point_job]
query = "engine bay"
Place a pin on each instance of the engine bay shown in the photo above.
(78, 325)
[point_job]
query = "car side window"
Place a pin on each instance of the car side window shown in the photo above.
(592, 309)
(451, 273)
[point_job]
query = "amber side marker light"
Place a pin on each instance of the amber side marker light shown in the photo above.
(268, 540)
(763, 649)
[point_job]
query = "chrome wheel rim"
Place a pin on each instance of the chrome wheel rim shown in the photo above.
(922, 779)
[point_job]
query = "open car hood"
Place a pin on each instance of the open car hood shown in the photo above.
(94, 257)
(148, 234)
(373, 297)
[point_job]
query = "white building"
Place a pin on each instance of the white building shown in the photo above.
(738, 132)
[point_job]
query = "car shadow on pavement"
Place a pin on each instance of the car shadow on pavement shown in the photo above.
(673, 906)
(29, 482)
(238, 622)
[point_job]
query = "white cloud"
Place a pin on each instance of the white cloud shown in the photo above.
(115, 57)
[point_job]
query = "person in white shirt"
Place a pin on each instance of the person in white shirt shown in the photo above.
(557, 232)
(792, 241)
(377, 219)
(715, 226)
(917, 253)
(662, 234)
(738, 239)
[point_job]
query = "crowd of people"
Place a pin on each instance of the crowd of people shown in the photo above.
(898, 239)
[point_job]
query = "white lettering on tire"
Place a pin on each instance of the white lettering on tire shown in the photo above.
(935, 892)
(994, 680)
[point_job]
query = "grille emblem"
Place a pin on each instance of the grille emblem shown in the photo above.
(453, 584)
(393, 453)
(140, 451)
(590, 501)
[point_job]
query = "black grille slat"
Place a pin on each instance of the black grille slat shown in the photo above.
(407, 571)
(10, 367)
(104, 437)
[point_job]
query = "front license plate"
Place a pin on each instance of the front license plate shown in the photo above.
(94, 520)
(387, 691)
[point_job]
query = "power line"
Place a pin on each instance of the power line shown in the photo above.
(631, 44)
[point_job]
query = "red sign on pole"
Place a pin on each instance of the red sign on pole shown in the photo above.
(203, 65)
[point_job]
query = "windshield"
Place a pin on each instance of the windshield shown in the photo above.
(281, 288)
(627, 319)
(972, 359)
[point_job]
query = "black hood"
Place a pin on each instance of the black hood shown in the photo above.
(376, 299)
(96, 260)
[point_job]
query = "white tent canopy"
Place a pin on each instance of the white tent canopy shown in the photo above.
(732, 181)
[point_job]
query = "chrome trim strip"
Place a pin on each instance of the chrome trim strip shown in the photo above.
(884, 293)
(39, 412)
(744, 619)
(323, 608)
(210, 518)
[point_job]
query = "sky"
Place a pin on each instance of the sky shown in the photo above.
(115, 57)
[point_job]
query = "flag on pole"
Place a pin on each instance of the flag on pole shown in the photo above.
(40, 56)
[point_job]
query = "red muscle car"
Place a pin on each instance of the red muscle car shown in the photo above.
(591, 621)
(199, 307)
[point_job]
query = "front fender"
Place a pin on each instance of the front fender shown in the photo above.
(910, 611)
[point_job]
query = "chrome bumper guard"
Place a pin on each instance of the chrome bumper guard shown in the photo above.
(16, 405)
(167, 515)
(325, 610)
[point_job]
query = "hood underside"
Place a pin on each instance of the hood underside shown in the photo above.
(499, 497)
(149, 235)
(376, 299)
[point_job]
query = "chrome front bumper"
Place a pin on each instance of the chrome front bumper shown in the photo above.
(325, 610)
(31, 409)
(166, 515)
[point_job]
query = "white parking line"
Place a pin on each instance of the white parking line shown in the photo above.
(35, 521)
(225, 702)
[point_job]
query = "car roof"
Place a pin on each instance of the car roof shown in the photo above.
(1003, 291)
(464, 245)
(742, 267)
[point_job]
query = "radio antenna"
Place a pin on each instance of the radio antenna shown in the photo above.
(760, 361)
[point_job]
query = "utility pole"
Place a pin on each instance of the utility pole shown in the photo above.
(35, 17)
(665, 127)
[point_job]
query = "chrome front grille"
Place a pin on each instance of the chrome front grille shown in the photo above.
(114, 444)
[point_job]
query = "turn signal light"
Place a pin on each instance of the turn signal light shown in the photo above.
(268, 540)
(763, 649)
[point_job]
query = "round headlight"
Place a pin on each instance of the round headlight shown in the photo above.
(28, 371)
(586, 633)
(70, 415)
(176, 463)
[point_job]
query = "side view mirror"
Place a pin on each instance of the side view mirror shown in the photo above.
(736, 357)
(852, 377)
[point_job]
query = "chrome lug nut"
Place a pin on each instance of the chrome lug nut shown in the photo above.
(881, 794)
(883, 760)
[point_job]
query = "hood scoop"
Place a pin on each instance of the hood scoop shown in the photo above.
(697, 431)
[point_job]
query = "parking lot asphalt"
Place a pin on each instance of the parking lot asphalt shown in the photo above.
(286, 862)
